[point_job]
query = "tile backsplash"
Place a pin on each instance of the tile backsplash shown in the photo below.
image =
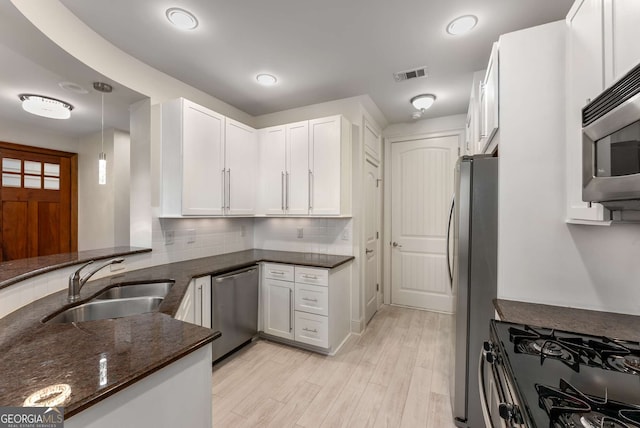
(185, 238)
(318, 235)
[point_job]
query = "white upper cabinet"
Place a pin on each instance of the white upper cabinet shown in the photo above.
(297, 174)
(489, 103)
(472, 142)
(284, 169)
(330, 166)
(192, 159)
(305, 168)
(241, 162)
(626, 33)
(209, 162)
(272, 153)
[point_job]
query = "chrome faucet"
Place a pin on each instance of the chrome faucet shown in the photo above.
(76, 281)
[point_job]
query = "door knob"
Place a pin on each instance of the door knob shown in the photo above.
(395, 244)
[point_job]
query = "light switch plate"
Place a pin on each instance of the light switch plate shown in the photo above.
(169, 237)
(191, 236)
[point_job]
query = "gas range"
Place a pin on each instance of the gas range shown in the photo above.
(537, 377)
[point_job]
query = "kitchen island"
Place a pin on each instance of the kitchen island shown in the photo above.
(98, 359)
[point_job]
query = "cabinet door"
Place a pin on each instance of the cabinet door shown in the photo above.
(585, 80)
(489, 101)
(297, 174)
(187, 312)
(626, 33)
(278, 308)
(325, 166)
(202, 301)
(241, 155)
(272, 150)
(202, 160)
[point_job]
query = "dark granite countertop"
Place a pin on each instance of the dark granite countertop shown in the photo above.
(34, 355)
(609, 324)
(18, 270)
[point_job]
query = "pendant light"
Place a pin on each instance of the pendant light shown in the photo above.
(102, 157)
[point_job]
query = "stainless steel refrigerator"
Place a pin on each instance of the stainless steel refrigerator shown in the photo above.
(473, 271)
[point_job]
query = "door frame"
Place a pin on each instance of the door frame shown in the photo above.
(386, 256)
(73, 159)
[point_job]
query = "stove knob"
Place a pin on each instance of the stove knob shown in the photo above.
(487, 352)
(507, 411)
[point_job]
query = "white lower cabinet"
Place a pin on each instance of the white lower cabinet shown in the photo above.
(278, 308)
(196, 303)
(307, 306)
(312, 329)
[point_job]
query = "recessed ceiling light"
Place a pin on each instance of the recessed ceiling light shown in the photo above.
(423, 102)
(266, 79)
(45, 106)
(462, 25)
(181, 18)
(73, 87)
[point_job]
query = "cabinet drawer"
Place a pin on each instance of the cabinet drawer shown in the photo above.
(312, 276)
(278, 271)
(312, 298)
(312, 329)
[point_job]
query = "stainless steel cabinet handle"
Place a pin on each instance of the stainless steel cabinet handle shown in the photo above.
(282, 190)
(224, 187)
(309, 300)
(276, 272)
(396, 245)
(310, 331)
(368, 251)
(201, 321)
(286, 185)
(229, 190)
(309, 276)
(310, 190)
(290, 310)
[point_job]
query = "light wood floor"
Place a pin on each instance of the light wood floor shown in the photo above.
(394, 375)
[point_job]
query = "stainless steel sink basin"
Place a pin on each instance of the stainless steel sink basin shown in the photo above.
(147, 289)
(106, 309)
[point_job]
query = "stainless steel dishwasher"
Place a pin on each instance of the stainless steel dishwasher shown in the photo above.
(234, 309)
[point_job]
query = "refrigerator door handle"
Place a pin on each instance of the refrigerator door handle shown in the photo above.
(449, 263)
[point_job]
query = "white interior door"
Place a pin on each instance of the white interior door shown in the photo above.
(421, 189)
(372, 289)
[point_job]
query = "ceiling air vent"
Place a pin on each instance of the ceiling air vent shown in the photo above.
(410, 74)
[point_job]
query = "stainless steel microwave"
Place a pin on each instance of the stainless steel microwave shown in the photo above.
(611, 145)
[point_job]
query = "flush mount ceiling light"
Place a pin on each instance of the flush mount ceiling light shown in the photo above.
(181, 18)
(45, 106)
(423, 102)
(266, 79)
(462, 25)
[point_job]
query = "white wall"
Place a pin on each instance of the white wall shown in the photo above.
(15, 132)
(542, 259)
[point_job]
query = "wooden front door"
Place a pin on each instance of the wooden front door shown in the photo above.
(38, 202)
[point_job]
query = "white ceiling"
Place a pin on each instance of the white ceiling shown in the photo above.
(31, 63)
(319, 50)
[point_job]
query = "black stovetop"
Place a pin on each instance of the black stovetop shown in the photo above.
(564, 379)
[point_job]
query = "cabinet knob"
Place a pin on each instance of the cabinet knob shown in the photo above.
(508, 412)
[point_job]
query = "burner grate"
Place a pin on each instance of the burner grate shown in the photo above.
(568, 407)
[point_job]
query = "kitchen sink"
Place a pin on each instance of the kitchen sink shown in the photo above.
(146, 289)
(106, 309)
